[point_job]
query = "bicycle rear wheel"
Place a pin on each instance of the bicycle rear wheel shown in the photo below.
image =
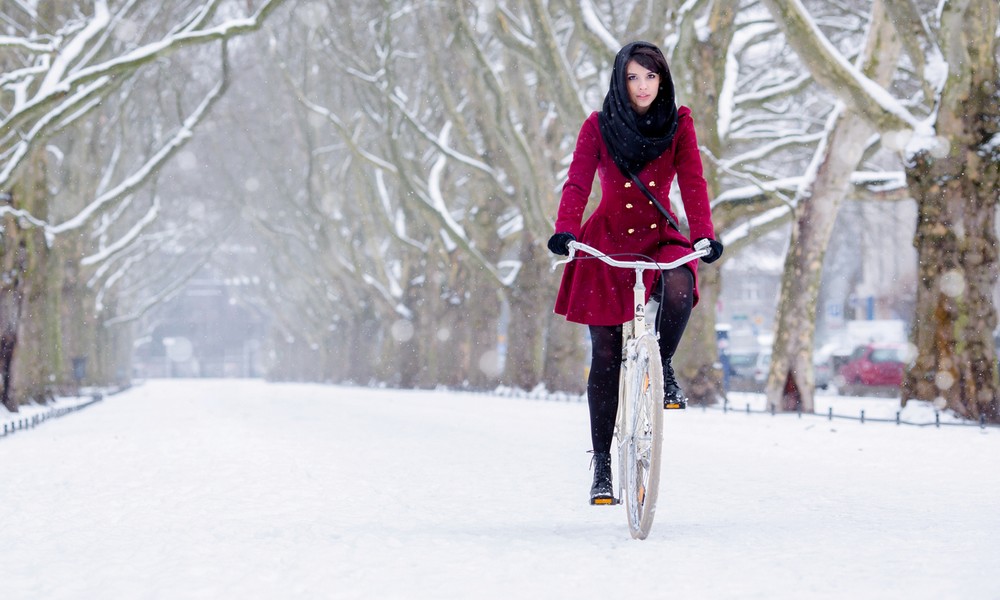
(640, 432)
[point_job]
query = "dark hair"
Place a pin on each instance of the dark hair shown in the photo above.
(650, 58)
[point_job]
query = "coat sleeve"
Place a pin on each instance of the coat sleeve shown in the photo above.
(691, 178)
(580, 179)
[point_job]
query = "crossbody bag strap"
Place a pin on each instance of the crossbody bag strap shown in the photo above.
(670, 219)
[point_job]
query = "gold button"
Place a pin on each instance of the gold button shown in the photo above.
(629, 205)
(652, 184)
(653, 226)
(628, 184)
(631, 230)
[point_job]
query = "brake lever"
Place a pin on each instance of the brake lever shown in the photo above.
(568, 259)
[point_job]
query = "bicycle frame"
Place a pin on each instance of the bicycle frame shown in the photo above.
(637, 428)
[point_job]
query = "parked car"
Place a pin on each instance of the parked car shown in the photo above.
(762, 368)
(823, 372)
(748, 370)
(875, 365)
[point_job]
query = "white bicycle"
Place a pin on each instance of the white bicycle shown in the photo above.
(639, 423)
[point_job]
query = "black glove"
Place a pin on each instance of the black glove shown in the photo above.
(559, 243)
(714, 250)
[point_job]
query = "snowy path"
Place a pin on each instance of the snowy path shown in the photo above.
(240, 489)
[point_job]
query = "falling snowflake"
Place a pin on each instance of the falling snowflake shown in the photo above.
(944, 380)
(952, 283)
(490, 363)
(402, 330)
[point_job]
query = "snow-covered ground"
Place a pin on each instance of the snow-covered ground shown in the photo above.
(243, 489)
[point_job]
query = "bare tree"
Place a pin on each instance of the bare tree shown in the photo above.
(791, 382)
(69, 66)
(508, 88)
(947, 143)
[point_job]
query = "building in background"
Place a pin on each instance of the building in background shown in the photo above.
(751, 285)
(205, 331)
(869, 274)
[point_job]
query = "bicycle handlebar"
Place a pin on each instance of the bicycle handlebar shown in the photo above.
(701, 248)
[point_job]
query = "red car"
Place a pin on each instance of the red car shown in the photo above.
(875, 364)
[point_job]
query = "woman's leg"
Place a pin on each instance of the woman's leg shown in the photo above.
(676, 302)
(602, 384)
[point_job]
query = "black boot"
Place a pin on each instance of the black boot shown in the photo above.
(673, 396)
(602, 492)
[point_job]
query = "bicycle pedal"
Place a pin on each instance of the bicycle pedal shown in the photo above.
(604, 501)
(675, 404)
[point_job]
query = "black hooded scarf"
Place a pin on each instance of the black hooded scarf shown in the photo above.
(634, 140)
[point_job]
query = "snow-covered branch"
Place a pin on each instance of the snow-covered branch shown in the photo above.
(7, 41)
(767, 218)
(830, 68)
(126, 239)
(334, 120)
(71, 52)
(65, 78)
(50, 119)
(395, 218)
(597, 28)
(768, 149)
(434, 201)
(920, 44)
(436, 140)
(155, 162)
(192, 263)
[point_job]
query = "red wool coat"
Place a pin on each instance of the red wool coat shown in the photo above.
(626, 220)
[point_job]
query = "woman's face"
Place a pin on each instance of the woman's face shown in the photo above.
(643, 86)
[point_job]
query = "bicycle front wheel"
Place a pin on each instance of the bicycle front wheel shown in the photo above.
(641, 432)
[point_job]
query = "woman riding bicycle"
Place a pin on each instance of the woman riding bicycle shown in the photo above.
(639, 139)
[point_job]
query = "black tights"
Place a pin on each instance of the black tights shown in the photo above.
(602, 385)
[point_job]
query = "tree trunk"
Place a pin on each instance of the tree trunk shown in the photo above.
(530, 305)
(11, 299)
(955, 181)
(701, 74)
(956, 363)
(23, 264)
(697, 355)
(484, 362)
(37, 368)
(566, 357)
